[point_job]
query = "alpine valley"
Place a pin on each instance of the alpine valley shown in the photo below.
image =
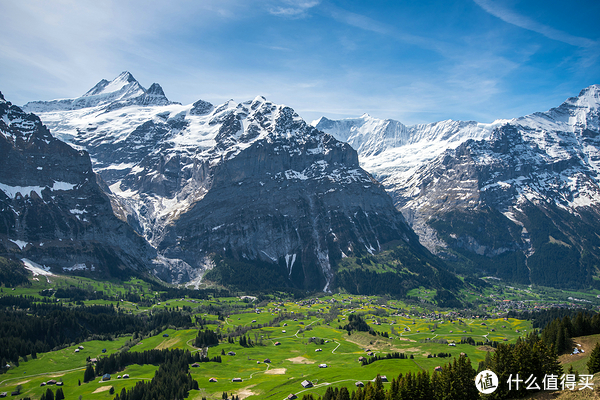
(252, 196)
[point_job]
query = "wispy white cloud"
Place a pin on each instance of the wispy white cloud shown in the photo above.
(369, 24)
(511, 17)
(294, 8)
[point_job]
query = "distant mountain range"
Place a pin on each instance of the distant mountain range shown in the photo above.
(250, 192)
(517, 199)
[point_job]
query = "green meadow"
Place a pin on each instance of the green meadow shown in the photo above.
(307, 343)
(299, 339)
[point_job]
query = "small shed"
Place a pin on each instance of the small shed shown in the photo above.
(3, 394)
(318, 349)
(166, 335)
(359, 384)
(106, 377)
(306, 384)
(267, 360)
(277, 344)
(231, 353)
(76, 350)
(438, 368)
(125, 376)
(361, 359)
(80, 347)
(195, 365)
(212, 380)
(322, 365)
(59, 383)
(236, 380)
(292, 396)
(104, 350)
(384, 378)
(51, 382)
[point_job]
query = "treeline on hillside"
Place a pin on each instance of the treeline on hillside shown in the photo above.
(172, 381)
(43, 327)
(541, 318)
(560, 332)
(560, 325)
(73, 293)
(12, 273)
(118, 361)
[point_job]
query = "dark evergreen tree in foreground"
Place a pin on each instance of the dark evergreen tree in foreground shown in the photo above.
(593, 363)
(49, 395)
(529, 356)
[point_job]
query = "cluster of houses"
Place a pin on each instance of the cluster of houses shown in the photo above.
(107, 377)
(52, 382)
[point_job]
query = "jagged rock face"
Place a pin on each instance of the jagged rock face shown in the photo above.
(52, 209)
(249, 181)
(518, 199)
(295, 197)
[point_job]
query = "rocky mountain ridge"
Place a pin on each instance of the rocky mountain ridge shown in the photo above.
(52, 209)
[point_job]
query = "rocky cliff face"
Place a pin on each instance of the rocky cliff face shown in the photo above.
(250, 182)
(52, 210)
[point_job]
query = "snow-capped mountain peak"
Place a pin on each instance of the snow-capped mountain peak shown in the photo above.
(116, 85)
(122, 91)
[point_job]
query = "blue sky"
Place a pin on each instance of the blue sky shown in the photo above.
(413, 61)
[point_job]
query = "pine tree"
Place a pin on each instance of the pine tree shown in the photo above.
(343, 394)
(89, 374)
(59, 394)
(593, 363)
